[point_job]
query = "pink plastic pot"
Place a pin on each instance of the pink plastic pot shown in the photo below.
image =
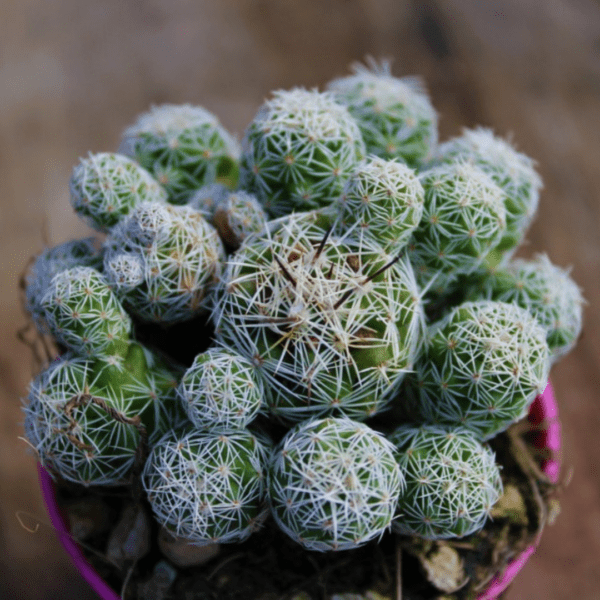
(544, 408)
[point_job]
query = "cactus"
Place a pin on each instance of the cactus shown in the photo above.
(452, 481)
(299, 151)
(206, 199)
(84, 314)
(163, 261)
(546, 291)
(332, 322)
(394, 114)
(207, 487)
(105, 187)
(334, 484)
(234, 214)
(482, 367)
(385, 198)
(77, 438)
(184, 147)
(513, 171)
(76, 253)
(463, 219)
(221, 390)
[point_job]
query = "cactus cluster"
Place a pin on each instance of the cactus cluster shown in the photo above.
(331, 396)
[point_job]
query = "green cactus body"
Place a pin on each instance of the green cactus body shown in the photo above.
(207, 487)
(546, 291)
(299, 151)
(84, 444)
(163, 262)
(221, 390)
(80, 441)
(105, 187)
(333, 323)
(394, 114)
(184, 147)
(452, 481)
(385, 199)
(84, 314)
(483, 365)
(463, 219)
(76, 253)
(513, 171)
(235, 215)
(334, 484)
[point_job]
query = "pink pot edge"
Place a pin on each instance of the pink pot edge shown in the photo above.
(549, 411)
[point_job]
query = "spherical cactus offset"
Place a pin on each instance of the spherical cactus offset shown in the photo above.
(513, 171)
(84, 314)
(334, 484)
(299, 151)
(221, 390)
(207, 487)
(394, 114)
(184, 147)
(452, 482)
(463, 219)
(74, 438)
(76, 253)
(546, 291)
(483, 365)
(385, 199)
(105, 187)
(332, 322)
(235, 214)
(163, 261)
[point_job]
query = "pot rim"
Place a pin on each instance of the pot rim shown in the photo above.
(544, 408)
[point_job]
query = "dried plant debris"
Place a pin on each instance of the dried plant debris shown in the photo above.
(270, 566)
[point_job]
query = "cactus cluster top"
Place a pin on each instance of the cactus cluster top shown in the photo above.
(343, 266)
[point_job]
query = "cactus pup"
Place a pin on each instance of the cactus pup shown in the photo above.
(334, 484)
(395, 115)
(184, 147)
(299, 151)
(452, 481)
(482, 367)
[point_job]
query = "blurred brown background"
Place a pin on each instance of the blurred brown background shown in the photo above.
(74, 73)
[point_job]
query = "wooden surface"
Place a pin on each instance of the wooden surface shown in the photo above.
(74, 73)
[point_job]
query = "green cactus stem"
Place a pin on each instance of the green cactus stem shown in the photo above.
(546, 291)
(463, 219)
(334, 484)
(452, 482)
(84, 314)
(513, 171)
(299, 151)
(221, 390)
(385, 198)
(75, 253)
(163, 261)
(207, 487)
(184, 147)
(482, 367)
(332, 322)
(105, 187)
(394, 114)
